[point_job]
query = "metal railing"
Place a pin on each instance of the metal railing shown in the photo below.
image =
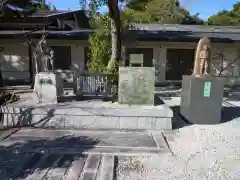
(87, 83)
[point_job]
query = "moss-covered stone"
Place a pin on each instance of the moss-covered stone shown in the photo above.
(136, 85)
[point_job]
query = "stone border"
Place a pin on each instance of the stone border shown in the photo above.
(88, 122)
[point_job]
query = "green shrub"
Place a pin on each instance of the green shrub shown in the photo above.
(100, 50)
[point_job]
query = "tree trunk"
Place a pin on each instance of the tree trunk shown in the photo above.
(114, 13)
(1, 78)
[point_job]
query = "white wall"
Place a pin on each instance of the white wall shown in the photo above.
(14, 61)
(231, 51)
(14, 58)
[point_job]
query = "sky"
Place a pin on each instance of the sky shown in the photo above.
(205, 8)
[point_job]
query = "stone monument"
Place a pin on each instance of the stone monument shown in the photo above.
(48, 85)
(136, 84)
(201, 100)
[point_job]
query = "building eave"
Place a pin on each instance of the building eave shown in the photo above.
(74, 34)
(141, 35)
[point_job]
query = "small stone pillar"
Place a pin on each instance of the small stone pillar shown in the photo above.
(48, 87)
(201, 100)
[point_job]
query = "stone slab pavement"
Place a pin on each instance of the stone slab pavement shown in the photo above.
(31, 153)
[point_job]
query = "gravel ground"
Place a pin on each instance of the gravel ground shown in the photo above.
(201, 152)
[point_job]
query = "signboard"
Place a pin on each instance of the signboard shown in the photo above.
(207, 89)
(136, 59)
(45, 81)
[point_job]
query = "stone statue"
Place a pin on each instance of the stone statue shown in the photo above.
(43, 55)
(202, 64)
(48, 57)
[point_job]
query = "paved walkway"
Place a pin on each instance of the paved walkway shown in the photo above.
(72, 154)
(38, 166)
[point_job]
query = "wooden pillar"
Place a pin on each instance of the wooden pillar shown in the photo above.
(30, 65)
(1, 77)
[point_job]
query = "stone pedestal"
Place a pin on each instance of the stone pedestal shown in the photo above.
(136, 85)
(201, 101)
(48, 87)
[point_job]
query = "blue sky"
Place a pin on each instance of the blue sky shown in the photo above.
(204, 7)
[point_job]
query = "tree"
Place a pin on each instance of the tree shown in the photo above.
(114, 14)
(45, 6)
(13, 8)
(161, 11)
(226, 18)
(116, 26)
(99, 42)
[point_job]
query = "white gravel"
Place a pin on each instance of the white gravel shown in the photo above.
(204, 152)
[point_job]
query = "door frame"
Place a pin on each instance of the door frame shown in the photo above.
(177, 48)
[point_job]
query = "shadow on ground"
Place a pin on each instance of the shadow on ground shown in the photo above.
(21, 159)
(229, 114)
(25, 118)
(158, 100)
(178, 121)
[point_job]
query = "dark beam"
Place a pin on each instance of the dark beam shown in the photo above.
(30, 65)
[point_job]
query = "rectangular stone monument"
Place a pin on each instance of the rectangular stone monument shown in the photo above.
(48, 87)
(201, 101)
(136, 85)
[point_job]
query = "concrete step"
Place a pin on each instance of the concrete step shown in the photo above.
(90, 115)
(121, 143)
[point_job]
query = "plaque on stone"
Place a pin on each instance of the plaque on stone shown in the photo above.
(136, 85)
(136, 59)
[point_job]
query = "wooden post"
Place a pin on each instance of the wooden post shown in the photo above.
(30, 66)
(1, 77)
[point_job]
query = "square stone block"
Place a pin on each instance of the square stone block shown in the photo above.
(163, 123)
(136, 85)
(48, 87)
(201, 100)
(128, 122)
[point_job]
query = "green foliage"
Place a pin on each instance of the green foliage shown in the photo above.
(99, 43)
(47, 6)
(226, 18)
(14, 8)
(100, 51)
(160, 11)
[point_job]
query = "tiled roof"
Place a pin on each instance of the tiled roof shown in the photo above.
(153, 32)
(176, 32)
(186, 28)
(44, 13)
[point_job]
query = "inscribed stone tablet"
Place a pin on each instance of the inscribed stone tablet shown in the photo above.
(136, 58)
(136, 85)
